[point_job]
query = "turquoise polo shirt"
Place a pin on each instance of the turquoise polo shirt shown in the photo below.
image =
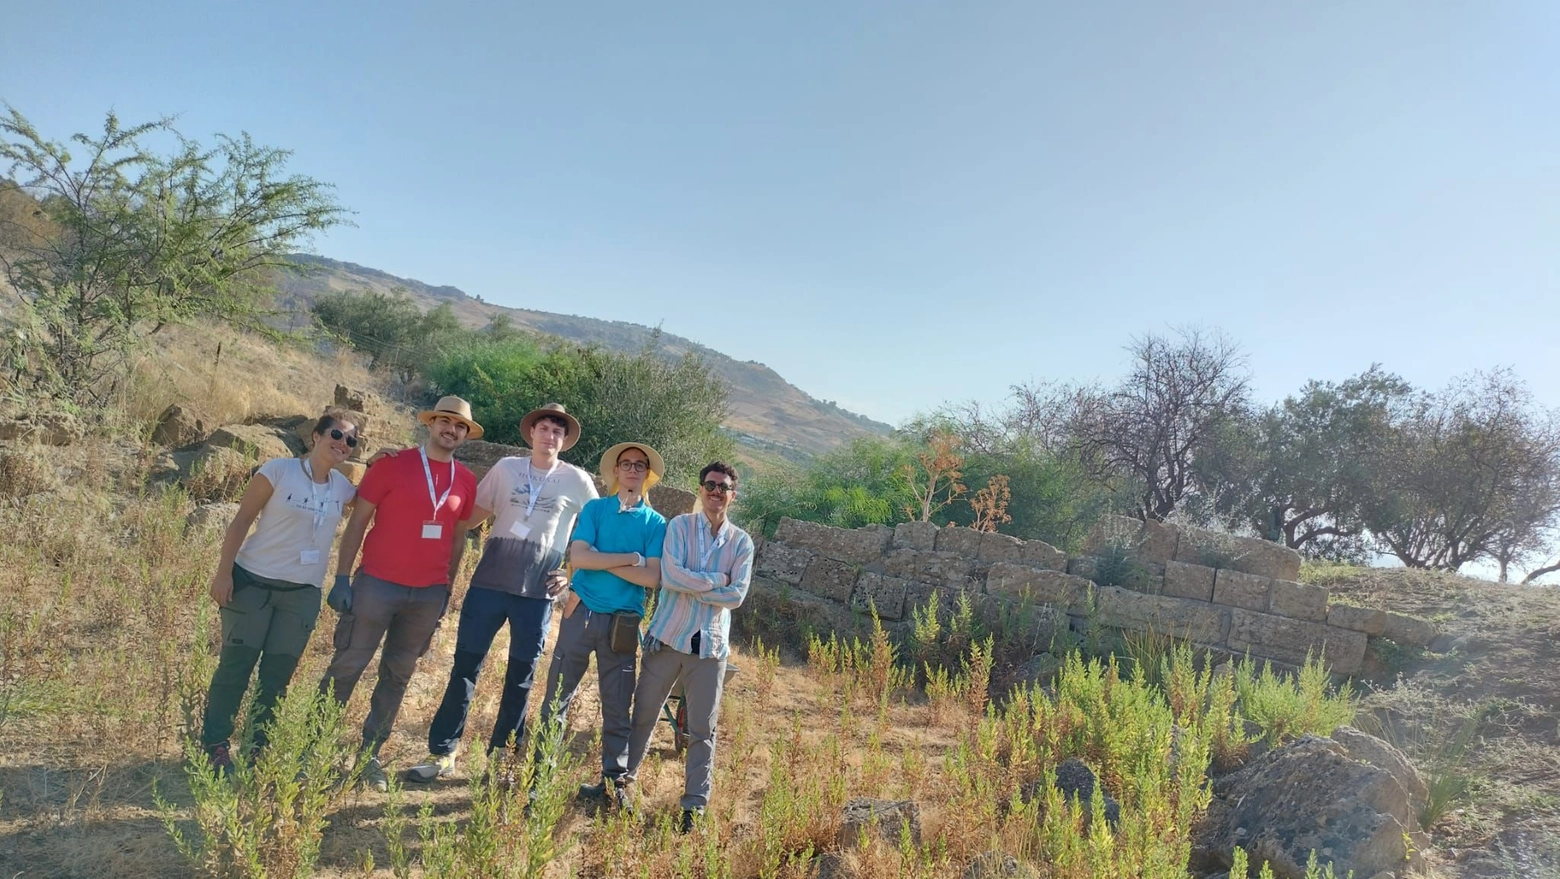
(608, 528)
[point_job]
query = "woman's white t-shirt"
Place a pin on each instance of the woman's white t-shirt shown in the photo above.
(291, 540)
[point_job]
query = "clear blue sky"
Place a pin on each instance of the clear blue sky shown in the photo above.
(899, 203)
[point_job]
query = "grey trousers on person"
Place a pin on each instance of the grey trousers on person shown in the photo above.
(581, 634)
(405, 618)
(702, 679)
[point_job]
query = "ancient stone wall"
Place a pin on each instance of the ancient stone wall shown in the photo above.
(1230, 593)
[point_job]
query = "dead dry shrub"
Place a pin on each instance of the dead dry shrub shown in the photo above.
(24, 472)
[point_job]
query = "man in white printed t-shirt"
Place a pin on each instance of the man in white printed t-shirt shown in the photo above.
(535, 501)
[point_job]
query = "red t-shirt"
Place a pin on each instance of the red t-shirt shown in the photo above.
(395, 548)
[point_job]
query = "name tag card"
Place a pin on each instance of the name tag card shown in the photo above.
(520, 529)
(432, 530)
(309, 557)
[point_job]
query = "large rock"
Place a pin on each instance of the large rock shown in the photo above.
(886, 594)
(946, 569)
(179, 425)
(213, 516)
(995, 547)
(830, 579)
(43, 428)
(1039, 554)
(1367, 748)
(1044, 586)
(1311, 795)
(858, 546)
(889, 818)
(671, 501)
(1291, 641)
(1185, 618)
(783, 562)
(259, 441)
(915, 535)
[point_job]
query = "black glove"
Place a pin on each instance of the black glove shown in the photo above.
(340, 597)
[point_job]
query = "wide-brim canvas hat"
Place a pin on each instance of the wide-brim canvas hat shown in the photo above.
(609, 460)
(551, 410)
(456, 408)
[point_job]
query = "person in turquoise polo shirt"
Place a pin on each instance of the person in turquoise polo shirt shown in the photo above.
(616, 556)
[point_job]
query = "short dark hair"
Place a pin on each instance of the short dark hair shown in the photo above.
(555, 419)
(332, 417)
(719, 467)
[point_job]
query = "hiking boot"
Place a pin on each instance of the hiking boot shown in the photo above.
(690, 818)
(436, 766)
(220, 756)
(618, 795)
(374, 775)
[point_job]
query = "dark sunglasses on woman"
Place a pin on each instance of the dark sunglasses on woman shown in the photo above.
(336, 434)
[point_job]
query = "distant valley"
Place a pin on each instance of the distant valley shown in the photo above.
(769, 415)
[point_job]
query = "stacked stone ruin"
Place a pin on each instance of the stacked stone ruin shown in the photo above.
(1231, 594)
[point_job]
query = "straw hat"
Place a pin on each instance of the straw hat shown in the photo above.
(456, 408)
(609, 460)
(571, 434)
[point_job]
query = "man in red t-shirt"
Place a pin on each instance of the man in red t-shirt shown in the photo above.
(409, 559)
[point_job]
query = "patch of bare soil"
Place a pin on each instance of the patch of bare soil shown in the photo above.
(1479, 713)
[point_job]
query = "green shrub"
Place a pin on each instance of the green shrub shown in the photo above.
(1289, 706)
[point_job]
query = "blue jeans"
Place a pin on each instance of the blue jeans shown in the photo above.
(483, 614)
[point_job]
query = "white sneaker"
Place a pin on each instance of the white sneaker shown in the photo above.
(434, 767)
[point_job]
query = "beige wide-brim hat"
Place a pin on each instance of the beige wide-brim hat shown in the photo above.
(609, 460)
(551, 410)
(456, 408)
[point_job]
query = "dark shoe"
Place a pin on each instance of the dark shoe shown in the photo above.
(690, 817)
(618, 795)
(221, 759)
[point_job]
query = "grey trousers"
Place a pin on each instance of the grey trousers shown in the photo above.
(406, 620)
(702, 679)
(581, 634)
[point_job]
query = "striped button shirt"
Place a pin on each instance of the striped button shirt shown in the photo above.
(702, 579)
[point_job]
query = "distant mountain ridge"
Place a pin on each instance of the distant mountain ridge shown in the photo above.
(768, 413)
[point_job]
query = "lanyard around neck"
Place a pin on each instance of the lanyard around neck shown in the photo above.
(706, 548)
(438, 502)
(534, 489)
(318, 494)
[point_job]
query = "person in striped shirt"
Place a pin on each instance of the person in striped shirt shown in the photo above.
(706, 568)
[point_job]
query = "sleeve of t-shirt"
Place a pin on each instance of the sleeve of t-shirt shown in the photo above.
(272, 470)
(655, 539)
(345, 491)
(377, 481)
(491, 487)
(585, 525)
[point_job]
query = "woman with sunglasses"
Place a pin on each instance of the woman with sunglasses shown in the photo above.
(267, 584)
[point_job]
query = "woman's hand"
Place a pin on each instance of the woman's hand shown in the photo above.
(222, 587)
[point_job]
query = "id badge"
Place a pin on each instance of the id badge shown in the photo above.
(520, 529)
(309, 557)
(433, 530)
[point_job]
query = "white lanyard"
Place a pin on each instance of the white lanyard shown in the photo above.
(535, 489)
(438, 502)
(318, 495)
(706, 552)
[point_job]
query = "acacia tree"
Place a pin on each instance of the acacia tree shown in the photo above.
(1473, 469)
(132, 240)
(1151, 427)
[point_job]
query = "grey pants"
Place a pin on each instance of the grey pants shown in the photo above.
(581, 634)
(406, 619)
(702, 679)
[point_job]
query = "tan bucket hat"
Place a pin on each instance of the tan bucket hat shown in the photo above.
(454, 407)
(551, 410)
(609, 460)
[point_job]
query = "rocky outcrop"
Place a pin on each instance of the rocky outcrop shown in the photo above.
(888, 818)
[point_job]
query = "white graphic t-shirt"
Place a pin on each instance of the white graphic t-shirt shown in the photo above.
(292, 538)
(533, 514)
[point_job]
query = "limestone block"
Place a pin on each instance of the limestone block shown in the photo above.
(1185, 618)
(830, 579)
(1289, 641)
(858, 546)
(929, 567)
(995, 547)
(1248, 555)
(958, 539)
(1241, 590)
(887, 594)
(264, 442)
(1039, 554)
(1405, 629)
(1036, 584)
(915, 535)
(179, 425)
(783, 562)
(1302, 601)
(1157, 542)
(1357, 619)
(1184, 580)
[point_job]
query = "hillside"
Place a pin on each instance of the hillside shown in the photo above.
(768, 413)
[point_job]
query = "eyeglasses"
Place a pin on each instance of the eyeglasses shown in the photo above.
(714, 487)
(336, 434)
(636, 466)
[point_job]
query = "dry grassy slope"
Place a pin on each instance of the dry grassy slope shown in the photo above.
(767, 412)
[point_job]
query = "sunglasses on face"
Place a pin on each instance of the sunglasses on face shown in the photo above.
(714, 487)
(636, 466)
(336, 434)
